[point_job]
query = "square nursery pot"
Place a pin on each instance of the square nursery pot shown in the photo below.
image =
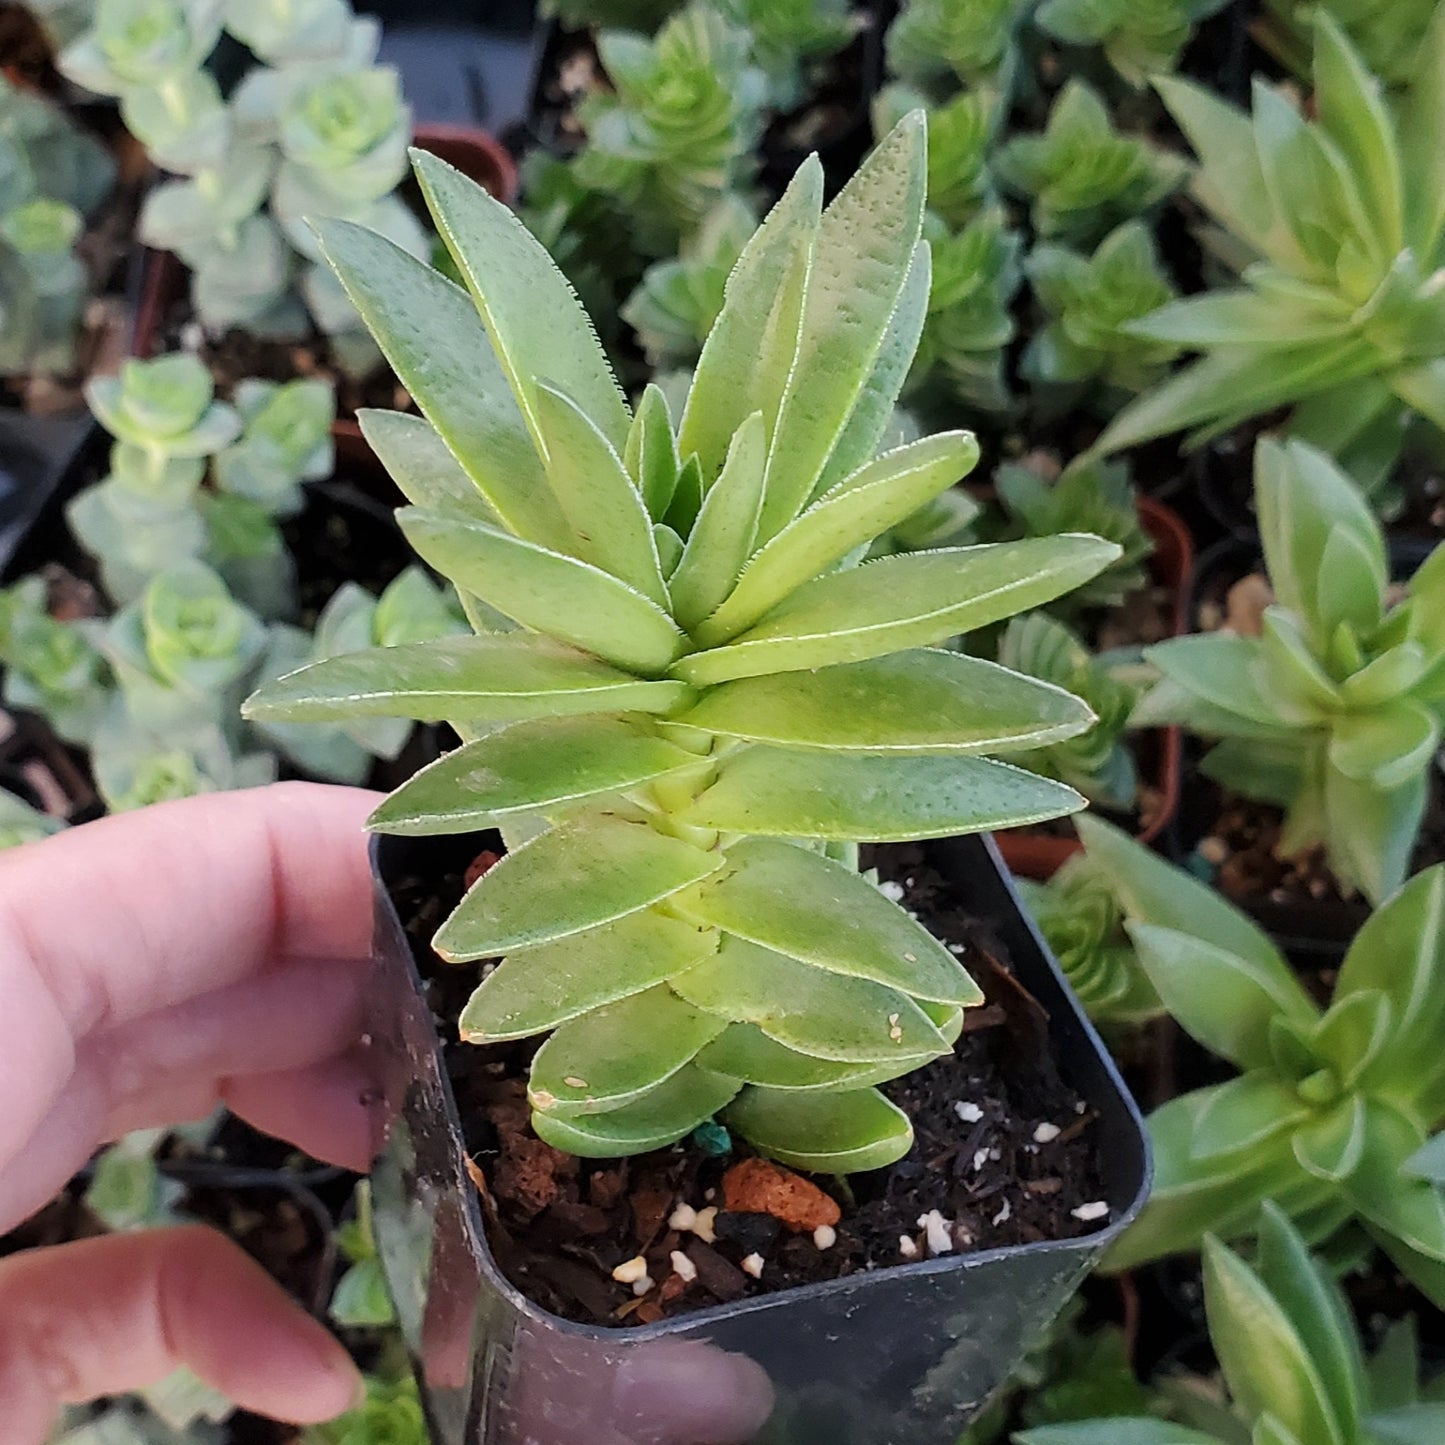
(898, 1356)
(1039, 856)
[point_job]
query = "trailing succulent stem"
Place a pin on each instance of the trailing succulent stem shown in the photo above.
(700, 700)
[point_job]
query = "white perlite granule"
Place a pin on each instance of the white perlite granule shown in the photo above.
(1046, 1133)
(906, 1247)
(892, 891)
(937, 1231)
(968, 1111)
(630, 1271)
(753, 1265)
(1088, 1213)
(825, 1236)
(683, 1267)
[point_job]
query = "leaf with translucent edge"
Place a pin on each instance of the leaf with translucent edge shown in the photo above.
(604, 509)
(1265, 1362)
(1428, 1162)
(903, 602)
(827, 1015)
(1421, 112)
(651, 455)
(1331, 1146)
(786, 794)
(546, 591)
(798, 903)
(864, 250)
(874, 408)
(569, 879)
(1371, 831)
(669, 1113)
(1400, 953)
(1386, 746)
(1243, 1114)
(919, 701)
(1353, 114)
(529, 767)
(827, 1133)
(538, 327)
(1386, 1194)
(429, 331)
(749, 353)
(487, 679)
(1315, 1307)
(613, 1055)
(726, 528)
(536, 989)
(883, 493)
(744, 1051)
(422, 465)
(1224, 1001)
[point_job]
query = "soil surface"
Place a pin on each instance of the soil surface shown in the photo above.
(1005, 1154)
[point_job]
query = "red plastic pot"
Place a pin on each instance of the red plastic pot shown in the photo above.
(475, 153)
(1041, 855)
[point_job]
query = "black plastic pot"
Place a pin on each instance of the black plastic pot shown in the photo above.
(36, 454)
(905, 1356)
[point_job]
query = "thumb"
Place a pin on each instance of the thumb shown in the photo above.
(125, 1311)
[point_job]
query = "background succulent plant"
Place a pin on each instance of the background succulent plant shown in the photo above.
(682, 634)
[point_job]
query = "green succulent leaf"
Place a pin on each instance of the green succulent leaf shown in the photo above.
(663, 1116)
(571, 878)
(846, 1132)
(774, 793)
(537, 989)
(802, 905)
(744, 1051)
(916, 701)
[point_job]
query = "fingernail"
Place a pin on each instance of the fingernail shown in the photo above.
(684, 1392)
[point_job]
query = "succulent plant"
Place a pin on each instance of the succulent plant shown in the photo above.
(412, 609)
(1090, 301)
(1292, 1360)
(1140, 38)
(150, 54)
(789, 34)
(1332, 1107)
(692, 678)
(391, 1414)
(1389, 34)
(360, 1299)
(969, 323)
(285, 441)
(1335, 711)
(50, 668)
(1082, 176)
(675, 305)
(1098, 763)
(145, 516)
(283, 31)
(1341, 317)
(968, 41)
(678, 130)
(640, 15)
(1082, 920)
(1088, 496)
(960, 134)
(53, 175)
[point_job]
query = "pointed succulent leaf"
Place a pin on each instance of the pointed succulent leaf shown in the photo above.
(668, 1113)
(1386, 746)
(422, 465)
(810, 1010)
(1223, 1000)
(1244, 1113)
(845, 1132)
(918, 701)
(750, 352)
(1371, 830)
(803, 905)
(864, 506)
(727, 527)
(786, 794)
(571, 878)
(1428, 1162)
(536, 989)
(1408, 1209)
(651, 454)
(1354, 1032)
(614, 1055)
(902, 602)
(476, 679)
(528, 767)
(1266, 1363)
(864, 251)
(436, 344)
(603, 507)
(546, 591)
(537, 326)
(1332, 1145)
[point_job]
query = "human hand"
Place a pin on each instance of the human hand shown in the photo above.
(151, 966)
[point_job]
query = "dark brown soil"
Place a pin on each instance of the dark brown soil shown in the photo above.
(559, 1226)
(24, 51)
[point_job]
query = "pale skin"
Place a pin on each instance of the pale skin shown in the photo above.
(206, 952)
(153, 966)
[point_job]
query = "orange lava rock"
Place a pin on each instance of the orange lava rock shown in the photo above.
(758, 1186)
(481, 865)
